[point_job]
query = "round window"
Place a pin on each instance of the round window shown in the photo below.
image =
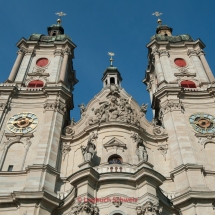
(180, 62)
(42, 62)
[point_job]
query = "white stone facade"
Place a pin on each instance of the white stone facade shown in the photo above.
(113, 161)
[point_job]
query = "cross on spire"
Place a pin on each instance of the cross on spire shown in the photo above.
(158, 14)
(111, 54)
(60, 14)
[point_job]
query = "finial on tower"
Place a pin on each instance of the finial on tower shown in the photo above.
(60, 14)
(111, 54)
(158, 14)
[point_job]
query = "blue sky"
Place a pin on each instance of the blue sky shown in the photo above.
(98, 26)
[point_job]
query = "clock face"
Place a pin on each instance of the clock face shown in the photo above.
(22, 123)
(203, 122)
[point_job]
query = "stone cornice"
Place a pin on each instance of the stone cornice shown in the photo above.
(194, 194)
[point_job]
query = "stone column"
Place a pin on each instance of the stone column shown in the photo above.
(158, 67)
(200, 71)
(16, 65)
(209, 73)
(64, 65)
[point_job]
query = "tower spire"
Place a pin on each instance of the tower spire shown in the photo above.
(60, 14)
(111, 54)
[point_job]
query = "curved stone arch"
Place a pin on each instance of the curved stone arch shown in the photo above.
(117, 212)
(8, 144)
(196, 82)
(122, 155)
(208, 141)
(28, 80)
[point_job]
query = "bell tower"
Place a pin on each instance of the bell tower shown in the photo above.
(35, 104)
(181, 87)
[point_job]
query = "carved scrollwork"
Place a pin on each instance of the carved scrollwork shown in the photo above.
(171, 106)
(68, 130)
(84, 208)
(65, 149)
(67, 51)
(115, 108)
(117, 202)
(163, 150)
(58, 52)
(155, 52)
(158, 130)
(191, 52)
(149, 209)
(200, 52)
(55, 106)
(164, 52)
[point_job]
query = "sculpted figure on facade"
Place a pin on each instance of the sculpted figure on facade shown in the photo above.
(82, 109)
(115, 108)
(150, 209)
(143, 109)
(69, 131)
(139, 210)
(140, 147)
(89, 150)
(85, 208)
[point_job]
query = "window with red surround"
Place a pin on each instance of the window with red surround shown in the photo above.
(188, 84)
(42, 62)
(180, 62)
(35, 84)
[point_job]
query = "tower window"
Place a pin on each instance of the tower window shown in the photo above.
(42, 62)
(188, 84)
(112, 80)
(180, 62)
(10, 168)
(35, 84)
(115, 159)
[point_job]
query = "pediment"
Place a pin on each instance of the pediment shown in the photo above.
(114, 143)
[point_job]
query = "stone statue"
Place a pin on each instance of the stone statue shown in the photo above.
(140, 147)
(84, 208)
(82, 109)
(89, 150)
(143, 108)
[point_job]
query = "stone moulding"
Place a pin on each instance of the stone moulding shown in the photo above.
(115, 143)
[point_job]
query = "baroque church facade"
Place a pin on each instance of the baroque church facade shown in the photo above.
(113, 161)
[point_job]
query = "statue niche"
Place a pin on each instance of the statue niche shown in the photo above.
(116, 108)
(140, 147)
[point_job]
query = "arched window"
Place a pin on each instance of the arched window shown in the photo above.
(115, 159)
(188, 84)
(35, 84)
(112, 80)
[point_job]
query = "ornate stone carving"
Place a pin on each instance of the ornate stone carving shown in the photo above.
(149, 209)
(55, 106)
(143, 109)
(68, 130)
(84, 208)
(158, 130)
(67, 51)
(140, 147)
(171, 106)
(200, 52)
(155, 52)
(191, 52)
(163, 150)
(116, 108)
(89, 150)
(21, 51)
(65, 149)
(117, 202)
(29, 52)
(82, 109)
(39, 72)
(164, 53)
(58, 52)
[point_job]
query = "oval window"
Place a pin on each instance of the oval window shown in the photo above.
(42, 62)
(35, 83)
(188, 84)
(180, 62)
